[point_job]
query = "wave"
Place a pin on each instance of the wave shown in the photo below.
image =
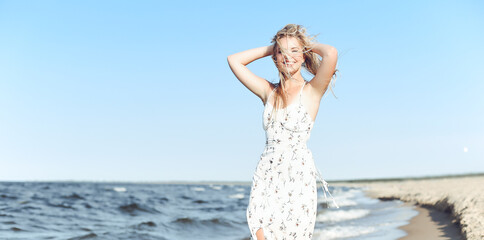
(61, 205)
(73, 196)
(341, 203)
(237, 196)
(187, 221)
(145, 224)
(213, 209)
(338, 232)
(87, 236)
(37, 197)
(119, 189)
(342, 215)
(134, 208)
(5, 196)
(198, 189)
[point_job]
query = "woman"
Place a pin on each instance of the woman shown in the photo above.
(283, 198)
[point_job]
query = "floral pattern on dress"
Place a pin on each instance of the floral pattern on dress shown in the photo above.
(283, 197)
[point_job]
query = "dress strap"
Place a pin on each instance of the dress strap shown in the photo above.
(304, 84)
(301, 91)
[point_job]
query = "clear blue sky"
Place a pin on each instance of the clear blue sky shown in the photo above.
(141, 90)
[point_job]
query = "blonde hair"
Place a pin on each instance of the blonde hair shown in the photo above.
(311, 59)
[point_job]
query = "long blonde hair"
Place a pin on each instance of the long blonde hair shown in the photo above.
(311, 60)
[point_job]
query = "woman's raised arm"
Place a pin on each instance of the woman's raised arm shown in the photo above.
(326, 70)
(254, 83)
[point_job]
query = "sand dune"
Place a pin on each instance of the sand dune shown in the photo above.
(462, 197)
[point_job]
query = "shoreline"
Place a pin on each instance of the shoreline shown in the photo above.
(449, 208)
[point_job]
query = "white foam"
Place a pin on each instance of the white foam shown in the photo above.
(239, 189)
(119, 189)
(342, 215)
(343, 202)
(338, 195)
(348, 193)
(216, 187)
(237, 196)
(337, 232)
(351, 197)
(198, 189)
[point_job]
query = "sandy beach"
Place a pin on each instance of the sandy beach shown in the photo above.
(449, 207)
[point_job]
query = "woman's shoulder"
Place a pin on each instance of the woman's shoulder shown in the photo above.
(270, 91)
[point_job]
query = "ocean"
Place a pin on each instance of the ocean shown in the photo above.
(90, 210)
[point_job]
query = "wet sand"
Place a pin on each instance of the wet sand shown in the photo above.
(431, 224)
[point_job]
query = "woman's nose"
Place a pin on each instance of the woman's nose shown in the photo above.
(287, 57)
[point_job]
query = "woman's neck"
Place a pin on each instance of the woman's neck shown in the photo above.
(295, 79)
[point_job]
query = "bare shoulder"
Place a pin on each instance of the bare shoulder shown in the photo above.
(313, 93)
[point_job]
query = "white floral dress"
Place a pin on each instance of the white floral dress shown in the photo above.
(283, 197)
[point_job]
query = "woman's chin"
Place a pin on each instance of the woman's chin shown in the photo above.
(289, 70)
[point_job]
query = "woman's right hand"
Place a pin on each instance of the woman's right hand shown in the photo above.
(254, 83)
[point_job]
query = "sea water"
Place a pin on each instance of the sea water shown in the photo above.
(83, 210)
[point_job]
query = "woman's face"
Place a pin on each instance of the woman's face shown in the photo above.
(289, 57)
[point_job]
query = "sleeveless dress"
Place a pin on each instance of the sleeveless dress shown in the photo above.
(283, 196)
